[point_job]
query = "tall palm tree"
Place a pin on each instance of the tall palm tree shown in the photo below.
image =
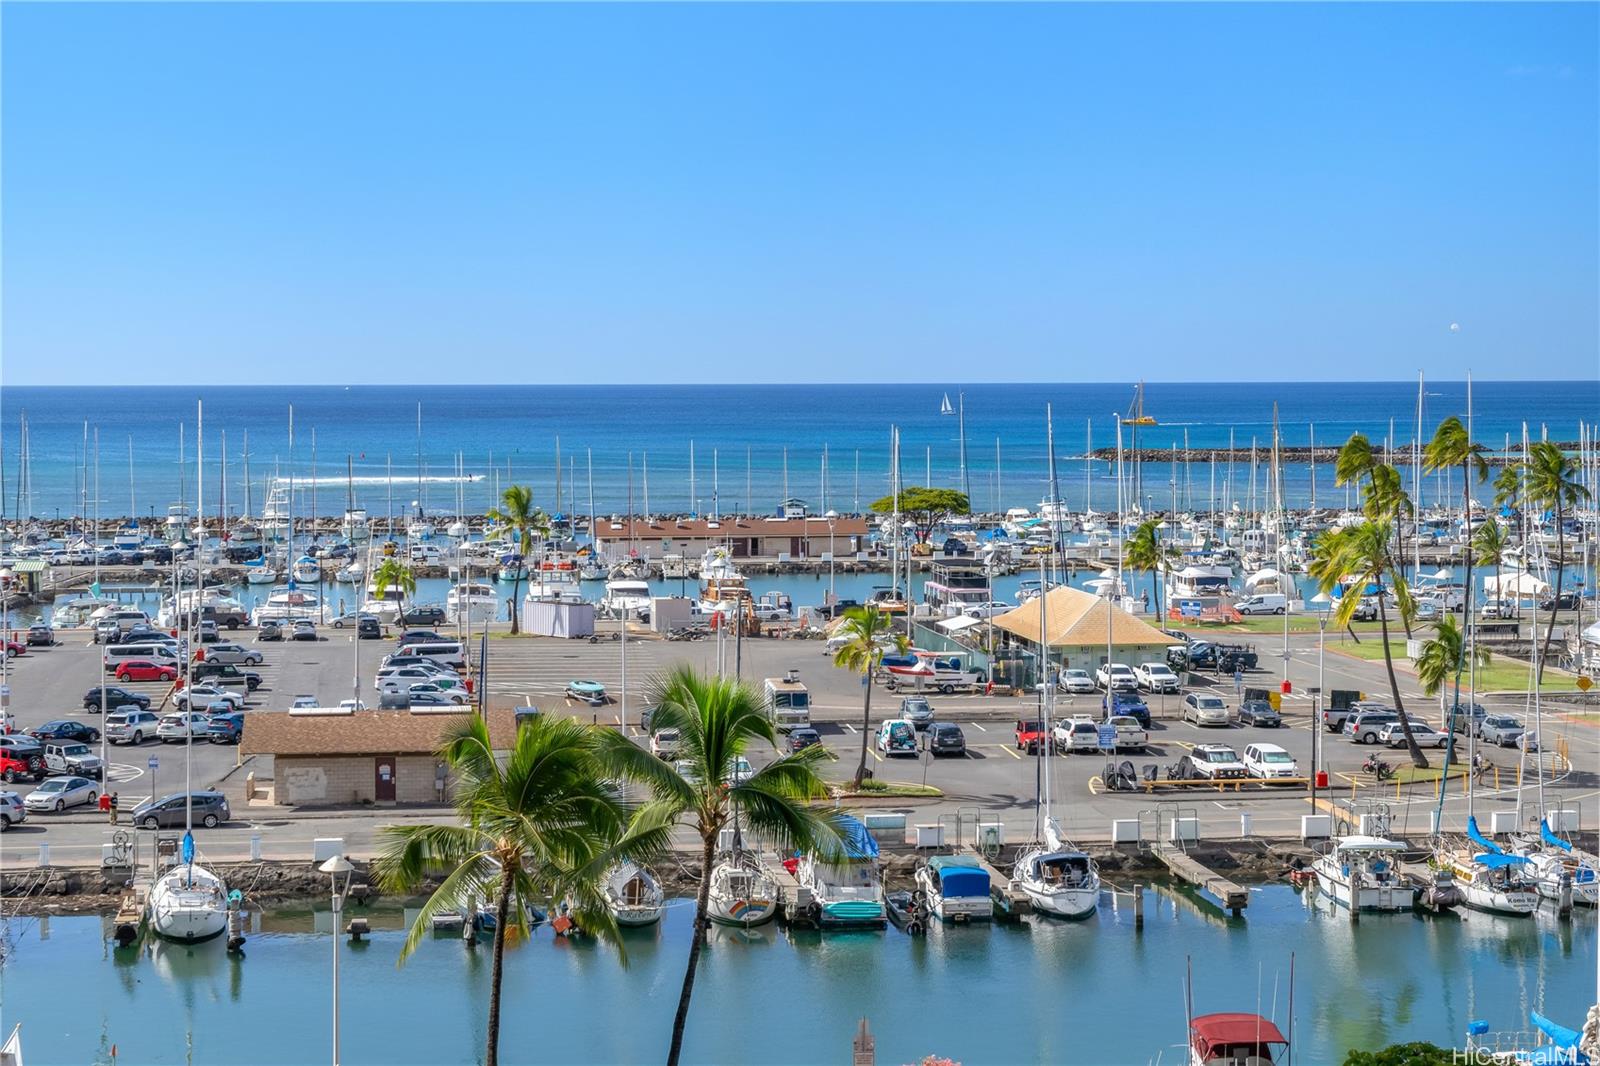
(718, 721)
(517, 514)
(1145, 553)
(394, 574)
(868, 630)
(1388, 502)
(1554, 484)
(1444, 656)
(1490, 542)
(1355, 460)
(1358, 556)
(535, 827)
(1508, 487)
(1452, 447)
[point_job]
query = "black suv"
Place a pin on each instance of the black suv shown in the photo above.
(368, 629)
(946, 738)
(203, 671)
(114, 698)
(423, 616)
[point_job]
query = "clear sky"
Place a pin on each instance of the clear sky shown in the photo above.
(310, 192)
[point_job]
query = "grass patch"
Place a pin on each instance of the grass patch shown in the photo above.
(1267, 623)
(1501, 675)
(873, 786)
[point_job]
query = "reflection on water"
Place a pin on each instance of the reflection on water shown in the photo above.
(779, 995)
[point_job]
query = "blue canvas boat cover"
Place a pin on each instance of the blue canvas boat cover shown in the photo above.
(1478, 838)
(1551, 839)
(1496, 861)
(960, 876)
(187, 851)
(858, 843)
(1562, 1036)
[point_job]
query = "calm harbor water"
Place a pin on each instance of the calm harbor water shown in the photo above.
(746, 439)
(1038, 991)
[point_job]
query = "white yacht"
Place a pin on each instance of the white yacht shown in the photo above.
(306, 570)
(1059, 881)
(290, 603)
(128, 538)
(246, 532)
(633, 894)
(261, 573)
(385, 607)
(419, 529)
(353, 526)
(352, 573)
(472, 602)
(848, 891)
(177, 525)
(1363, 872)
(741, 893)
(555, 580)
(512, 568)
(81, 609)
(458, 530)
(189, 902)
(625, 596)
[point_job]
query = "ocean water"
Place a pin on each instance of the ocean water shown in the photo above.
(752, 445)
(1093, 992)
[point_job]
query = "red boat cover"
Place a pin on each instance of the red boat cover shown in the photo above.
(1210, 1034)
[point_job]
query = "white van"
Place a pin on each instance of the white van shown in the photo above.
(789, 701)
(448, 653)
(160, 654)
(1266, 603)
(425, 553)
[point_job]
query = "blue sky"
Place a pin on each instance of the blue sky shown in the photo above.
(366, 193)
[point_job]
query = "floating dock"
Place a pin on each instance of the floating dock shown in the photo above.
(794, 899)
(1008, 899)
(1187, 869)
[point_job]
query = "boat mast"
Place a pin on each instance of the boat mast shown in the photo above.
(961, 422)
(194, 622)
(694, 499)
(246, 469)
(594, 545)
(1041, 774)
(1313, 466)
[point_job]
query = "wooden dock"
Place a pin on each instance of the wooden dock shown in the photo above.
(129, 922)
(794, 899)
(1183, 866)
(1010, 899)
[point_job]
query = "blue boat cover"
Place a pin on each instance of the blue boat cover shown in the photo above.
(858, 843)
(1478, 838)
(1550, 838)
(965, 882)
(1498, 860)
(1562, 1036)
(188, 847)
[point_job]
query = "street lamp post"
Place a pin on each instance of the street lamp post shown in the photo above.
(1324, 604)
(832, 517)
(336, 868)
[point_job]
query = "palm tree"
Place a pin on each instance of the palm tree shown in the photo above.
(718, 721)
(534, 827)
(1490, 543)
(1443, 657)
(1145, 553)
(1508, 487)
(1355, 460)
(518, 514)
(1554, 484)
(867, 630)
(1451, 447)
(394, 574)
(1358, 556)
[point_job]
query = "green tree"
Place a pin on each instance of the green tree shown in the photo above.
(1508, 487)
(1452, 447)
(517, 515)
(925, 508)
(1355, 460)
(394, 574)
(1353, 558)
(535, 827)
(1554, 485)
(1444, 657)
(719, 720)
(1417, 1053)
(1145, 552)
(868, 632)
(1490, 542)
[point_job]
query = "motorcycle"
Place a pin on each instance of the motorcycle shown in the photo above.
(1377, 768)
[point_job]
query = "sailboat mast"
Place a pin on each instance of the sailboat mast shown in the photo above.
(961, 422)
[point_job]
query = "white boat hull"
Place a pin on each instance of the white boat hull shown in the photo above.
(1517, 902)
(953, 908)
(188, 914)
(740, 911)
(1063, 902)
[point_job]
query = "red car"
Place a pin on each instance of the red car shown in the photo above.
(145, 670)
(13, 768)
(1033, 732)
(14, 649)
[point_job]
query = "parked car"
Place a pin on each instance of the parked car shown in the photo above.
(1211, 762)
(182, 725)
(269, 631)
(41, 635)
(1259, 712)
(226, 728)
(206, 694)
(209, 633)
(988, 609)
(1118, 676)
(225, 675)
(113, 698)
(65, 729)
(237, 654)
(22, 746)
(1268, 761)
(1156, 677)
(1363, 727)
(1077, 682)
(1266, 603)
(131, 726)
(73, 758)
(946, 738)
(304, 629)
(349, 619)
(803, 737)
(665, 743)
(14, 767)
(1394, 735)
(59, 793)
(210, 810)
(425, 615)
(1130, 704)
(368, 628)
(1030, 734)
(1498, 609)
(916, 710)
(421, 636)
(1334, 718)
(146, 670)
(1204, 709)
(1131, 736)
(1073, 735)
(449, 693)
(897, 737)
(1501, 729)
(12, 810)
(1468, 719)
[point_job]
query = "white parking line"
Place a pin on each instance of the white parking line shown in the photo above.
(850, 727)
(978, 727)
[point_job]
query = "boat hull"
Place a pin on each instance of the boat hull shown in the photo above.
(1071, 903)
(741, 912)
(1339, 890)
(636, 917)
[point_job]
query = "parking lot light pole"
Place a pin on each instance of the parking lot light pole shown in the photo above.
(832, 517)
(1323, 605)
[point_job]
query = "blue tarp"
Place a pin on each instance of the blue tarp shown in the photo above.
(1562, 1036)
(188, 847)
(1478, 838)
(1495, 862)
(858, 843)
(1551, 839)
(965, 882)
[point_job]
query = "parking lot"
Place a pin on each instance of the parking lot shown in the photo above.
(992, 777)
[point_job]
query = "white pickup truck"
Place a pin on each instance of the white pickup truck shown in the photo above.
(1156, 677)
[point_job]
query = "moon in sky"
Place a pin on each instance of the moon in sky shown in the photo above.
(1455, 327)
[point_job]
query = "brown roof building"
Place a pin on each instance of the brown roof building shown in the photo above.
(1079, 626)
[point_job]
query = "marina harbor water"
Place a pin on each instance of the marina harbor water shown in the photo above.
(1096, 992)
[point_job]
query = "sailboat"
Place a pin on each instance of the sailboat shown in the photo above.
(189, 903)
(945, 407)
(1136, 415)
(1057, 878)
(633, 894)
(741, 893)
(353, 526)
